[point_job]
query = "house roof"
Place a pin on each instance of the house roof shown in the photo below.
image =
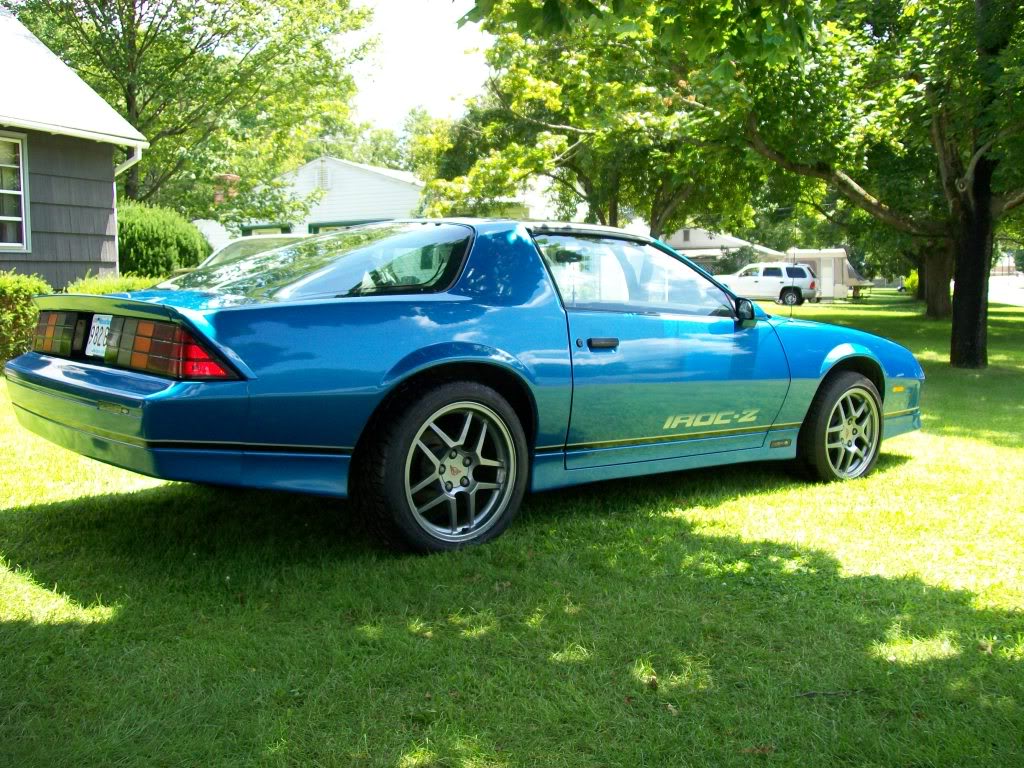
(42, 93)
(403, 176)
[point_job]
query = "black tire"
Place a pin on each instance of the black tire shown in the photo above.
(790, 297)
(416, 514)
(829, 438)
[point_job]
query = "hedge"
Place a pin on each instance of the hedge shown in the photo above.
(98, 286)
(156, 241)
(910, 282)
(18, 313)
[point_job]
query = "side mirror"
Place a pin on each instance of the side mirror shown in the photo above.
(745, 313)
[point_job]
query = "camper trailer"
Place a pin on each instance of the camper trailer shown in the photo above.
(836, 275)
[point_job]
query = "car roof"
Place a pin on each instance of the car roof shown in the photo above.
(538, 226)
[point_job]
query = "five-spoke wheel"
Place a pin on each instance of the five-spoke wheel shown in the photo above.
(842, 433)
(458, 471)
(852, 435)
(447, 469)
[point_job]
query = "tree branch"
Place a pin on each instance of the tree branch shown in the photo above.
(843, 183)
(1007, 203)
(496, 92)
(965, 181)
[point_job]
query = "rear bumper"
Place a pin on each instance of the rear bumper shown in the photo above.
(195, 432)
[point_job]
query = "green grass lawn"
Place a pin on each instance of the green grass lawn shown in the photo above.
(719, 617)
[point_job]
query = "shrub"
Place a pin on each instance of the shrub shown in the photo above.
(18, 313)
(910, 283)
(98, 285)
(156, 241)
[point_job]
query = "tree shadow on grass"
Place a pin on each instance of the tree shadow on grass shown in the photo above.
(254, 628)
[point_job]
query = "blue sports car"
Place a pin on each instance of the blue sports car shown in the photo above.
(436, 370)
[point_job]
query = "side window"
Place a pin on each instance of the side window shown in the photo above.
(613, 274)
(13, 229)
(796, 272)
(749, 272)
(773, 271)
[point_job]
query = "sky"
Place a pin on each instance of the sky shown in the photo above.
(422, 59)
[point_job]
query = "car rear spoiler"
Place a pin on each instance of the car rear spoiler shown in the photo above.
(111, 304)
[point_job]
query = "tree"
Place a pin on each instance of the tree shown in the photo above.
(226, 89)
(599, 117)
(417, 148)
(911, 78)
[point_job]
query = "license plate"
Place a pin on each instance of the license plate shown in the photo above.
(97, 345)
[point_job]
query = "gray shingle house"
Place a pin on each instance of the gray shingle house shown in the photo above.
(58, 142)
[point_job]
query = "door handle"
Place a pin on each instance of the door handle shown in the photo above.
(602, 343)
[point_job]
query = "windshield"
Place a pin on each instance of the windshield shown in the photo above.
(248, 247)
(392, 257)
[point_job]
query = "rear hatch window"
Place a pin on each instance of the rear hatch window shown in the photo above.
(391, 257)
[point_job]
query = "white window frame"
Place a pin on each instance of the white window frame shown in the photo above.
(26, 228)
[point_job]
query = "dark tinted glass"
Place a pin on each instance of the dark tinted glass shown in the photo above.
(795, 272)
(391, 257)
(772, 272)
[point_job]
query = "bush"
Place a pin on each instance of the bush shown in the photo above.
(18, 313)
(156, 241)
(97, 285)
(910, 282)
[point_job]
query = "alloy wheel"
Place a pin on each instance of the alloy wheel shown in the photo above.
(852, 436)
(460, 471)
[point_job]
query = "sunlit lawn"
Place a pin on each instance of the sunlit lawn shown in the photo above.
(722, 617)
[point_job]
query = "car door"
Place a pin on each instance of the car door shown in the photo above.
(661, 367)
(772, 282)
(746, 283)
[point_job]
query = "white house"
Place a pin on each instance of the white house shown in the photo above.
(350, 193)
(696, 243)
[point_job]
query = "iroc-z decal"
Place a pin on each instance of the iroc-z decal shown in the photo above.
(746, 416)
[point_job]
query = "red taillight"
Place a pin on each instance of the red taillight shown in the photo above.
(196, 363)
(812, 285)
(165, 349)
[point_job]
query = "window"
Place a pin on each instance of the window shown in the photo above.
(401, 258)
(795, 272)
(13, 219)
(750, 272)
(772, 272)
(613, 274)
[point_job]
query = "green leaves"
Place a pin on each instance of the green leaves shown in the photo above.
(226, 87)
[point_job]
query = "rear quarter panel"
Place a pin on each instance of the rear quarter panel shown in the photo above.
(320, 368)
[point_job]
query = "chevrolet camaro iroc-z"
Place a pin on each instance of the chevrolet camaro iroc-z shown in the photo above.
(437, 370)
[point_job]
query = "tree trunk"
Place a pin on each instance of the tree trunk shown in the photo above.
(937, 265)
(973, 242)
(131, 180)
(131, 183)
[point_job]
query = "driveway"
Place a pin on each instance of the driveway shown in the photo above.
(1006, 290)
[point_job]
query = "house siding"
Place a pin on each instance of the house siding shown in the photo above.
(72, 217)
(352, 194)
